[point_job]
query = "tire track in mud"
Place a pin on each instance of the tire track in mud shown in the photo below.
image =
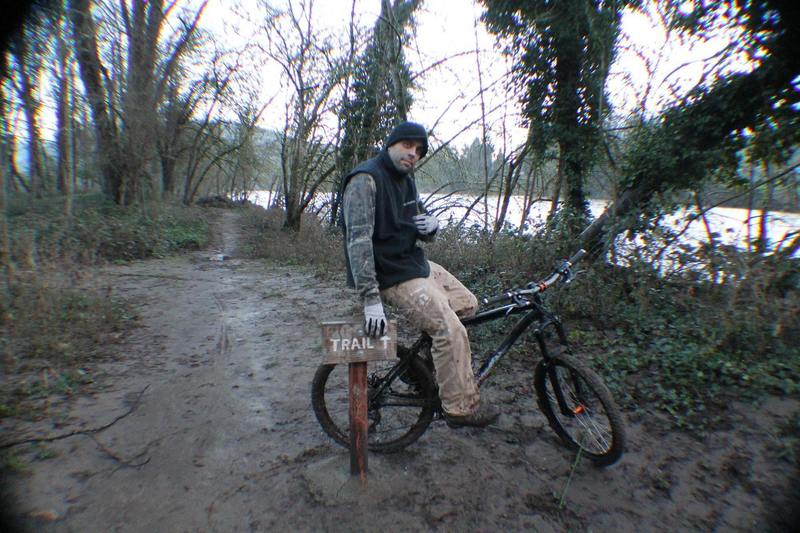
(226, 399)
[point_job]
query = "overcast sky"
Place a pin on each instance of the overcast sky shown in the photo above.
(446, 96)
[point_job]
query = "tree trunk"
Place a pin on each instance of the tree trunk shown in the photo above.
(566, 115)
(510, 185)
(30, 105)
(692, 133)
(751, 202)
(139, 105)
(14, 180)
(527, 202)
(396, 62)
(168, 139)
(5, 249)
(126, 152)
(293, 216)
(73, 129)
(168, 161)
(762, 244)
(65, 140)
(108, 150)
(556, 190)
(62, 110)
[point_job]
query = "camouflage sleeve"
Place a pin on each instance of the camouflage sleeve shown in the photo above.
(359, 218)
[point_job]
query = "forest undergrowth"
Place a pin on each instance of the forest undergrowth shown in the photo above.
(54, 327)
(665, 338)
(673, 340)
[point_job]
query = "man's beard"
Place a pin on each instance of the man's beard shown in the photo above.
(398, 166)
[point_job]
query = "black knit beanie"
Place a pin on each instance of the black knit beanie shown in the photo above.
(409, 130)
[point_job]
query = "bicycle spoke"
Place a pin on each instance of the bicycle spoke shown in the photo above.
(591, 429)
(379, 427)
(399, 408)
(584, 416)
(400, 399)
(580, 409)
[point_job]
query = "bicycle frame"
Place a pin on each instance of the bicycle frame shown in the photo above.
(573, 398)
(536, 312)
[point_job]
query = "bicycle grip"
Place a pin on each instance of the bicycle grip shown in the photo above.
(499, 298)
(577, 257)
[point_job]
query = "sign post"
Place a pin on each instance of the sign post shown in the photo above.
(346, 342)
(359, 422)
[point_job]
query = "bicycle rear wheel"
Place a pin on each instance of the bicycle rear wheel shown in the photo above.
(580, 409)
(402, 402)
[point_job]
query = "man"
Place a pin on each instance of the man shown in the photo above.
(383, 219)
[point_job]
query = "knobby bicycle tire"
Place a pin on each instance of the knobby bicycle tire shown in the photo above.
(399, 410)
(580, 409)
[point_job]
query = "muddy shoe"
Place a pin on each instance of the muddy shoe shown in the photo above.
(484, 415)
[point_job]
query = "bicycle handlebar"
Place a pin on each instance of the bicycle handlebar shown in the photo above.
(561, 273)
(498, 298)
(580, 254)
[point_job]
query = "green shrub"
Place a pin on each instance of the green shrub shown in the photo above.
(667, 338)
(685, 345)
(99, 230)
(53, 333)
(316, 244)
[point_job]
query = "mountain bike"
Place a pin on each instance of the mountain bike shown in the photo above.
(403, 395)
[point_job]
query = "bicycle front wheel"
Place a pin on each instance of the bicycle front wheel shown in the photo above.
(580, 409)
(402, 401)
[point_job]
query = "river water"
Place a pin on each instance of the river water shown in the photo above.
(729, 225)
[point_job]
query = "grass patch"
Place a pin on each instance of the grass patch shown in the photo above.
(57, 323)
(53, 331)
(316, 244)
(100, 231)
(43, 453)
(54, 334)
(12, 462)
(787, 439)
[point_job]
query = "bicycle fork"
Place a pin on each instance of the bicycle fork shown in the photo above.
(551, 370)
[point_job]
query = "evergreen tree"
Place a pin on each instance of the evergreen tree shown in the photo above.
(379, 95)
(562, 52)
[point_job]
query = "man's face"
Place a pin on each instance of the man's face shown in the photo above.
(404, 154)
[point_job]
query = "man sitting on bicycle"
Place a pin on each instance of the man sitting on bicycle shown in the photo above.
(383, 218)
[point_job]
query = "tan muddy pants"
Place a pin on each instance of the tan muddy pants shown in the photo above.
(433, 305)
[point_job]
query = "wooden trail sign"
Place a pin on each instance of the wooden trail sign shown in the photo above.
(345, 342)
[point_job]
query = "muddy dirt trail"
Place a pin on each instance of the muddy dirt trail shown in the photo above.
(203, 423)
